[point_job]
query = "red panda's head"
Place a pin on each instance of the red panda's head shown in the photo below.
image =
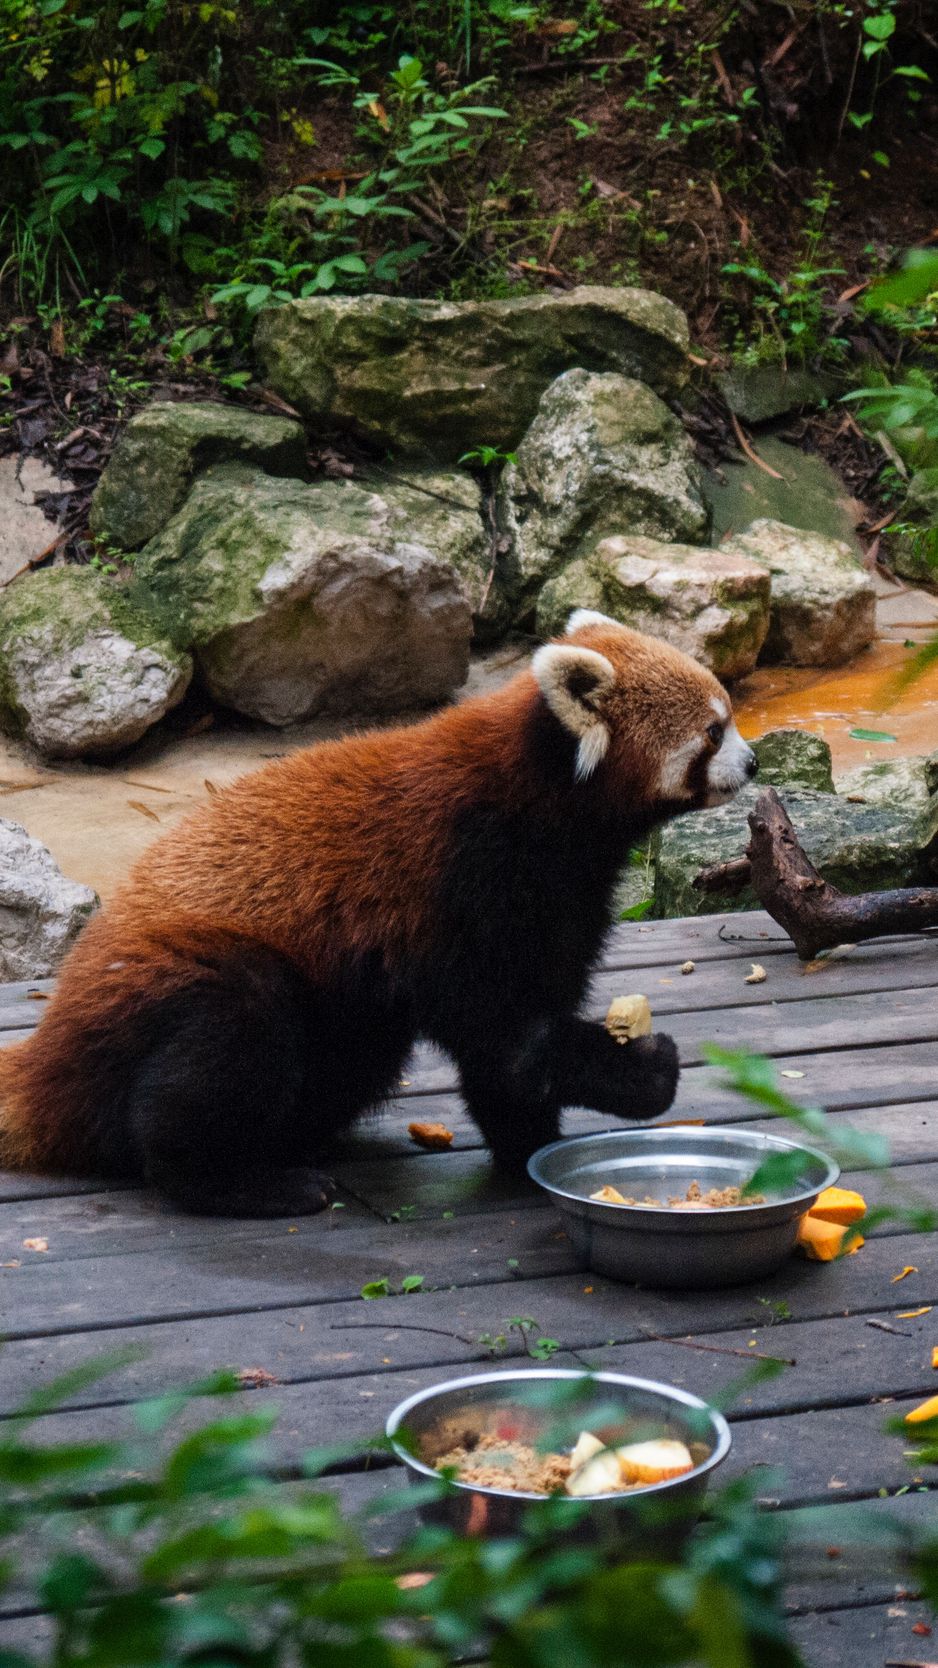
(645, 715)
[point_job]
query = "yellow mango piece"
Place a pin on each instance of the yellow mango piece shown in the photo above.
(934, 1357)
(824, 1241)
(926, 1410)
(838, 1204)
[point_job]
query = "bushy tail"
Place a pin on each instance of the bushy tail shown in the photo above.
(63, 1090)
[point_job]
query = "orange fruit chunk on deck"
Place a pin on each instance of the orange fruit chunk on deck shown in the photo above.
(824, 1241)
(926, 1410)
(838, 1204)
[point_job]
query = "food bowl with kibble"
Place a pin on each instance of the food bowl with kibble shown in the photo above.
(615, 1459)
(667, 1207)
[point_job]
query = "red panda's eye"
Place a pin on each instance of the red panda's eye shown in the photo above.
(715, 732)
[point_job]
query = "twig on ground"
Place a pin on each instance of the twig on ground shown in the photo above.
(750, 451)
(719, 1349)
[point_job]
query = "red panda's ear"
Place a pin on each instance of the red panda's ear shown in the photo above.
(573, 681)
(582, 617)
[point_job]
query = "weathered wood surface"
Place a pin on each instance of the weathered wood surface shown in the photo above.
(122, 1269)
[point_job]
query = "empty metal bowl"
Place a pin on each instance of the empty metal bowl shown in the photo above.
(550, 1406)
(666, 1247)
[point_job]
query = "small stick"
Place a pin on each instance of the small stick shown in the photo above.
(403, 1326)
(718, 1349)
(750, 452)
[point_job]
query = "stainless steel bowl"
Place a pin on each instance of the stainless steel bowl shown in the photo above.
(652, 1247)
(556, 1403)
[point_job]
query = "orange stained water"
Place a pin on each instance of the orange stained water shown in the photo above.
(834, 702)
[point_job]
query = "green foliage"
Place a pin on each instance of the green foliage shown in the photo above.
(166, 1549)
(127, 129)
(792, 311)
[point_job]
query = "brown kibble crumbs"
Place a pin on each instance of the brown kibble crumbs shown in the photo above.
(515, 1466)
(435, 1137)
(716, 1198)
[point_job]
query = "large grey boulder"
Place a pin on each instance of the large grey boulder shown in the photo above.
(83, 670)
(857, 847)
(794, 759)
(604, 455)
(442, 509)
(41, 913)
(442, 377)
(166, 445)
(823, 602)
(301, 599)
(711, 604)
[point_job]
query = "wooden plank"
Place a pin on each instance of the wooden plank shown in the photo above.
(347, 1338)
(885, 1068)
(719, 984)
(892, 1369)
(867, 1635)
(100, 1224)
(274, 1269)
(331, 1259)
(467, 1182)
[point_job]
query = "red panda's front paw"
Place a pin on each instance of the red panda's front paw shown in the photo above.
(653, 1076)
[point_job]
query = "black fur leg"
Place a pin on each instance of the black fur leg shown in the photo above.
(266, 1191)
(637, 1079)
(516, 1095)
(514, 1124)
(221, 1110)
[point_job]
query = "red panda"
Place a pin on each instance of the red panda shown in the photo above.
(259, 980)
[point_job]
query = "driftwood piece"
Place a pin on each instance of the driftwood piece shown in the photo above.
(815, 915)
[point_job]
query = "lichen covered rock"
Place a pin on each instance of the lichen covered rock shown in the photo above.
(908, 784)
(794, 759)
(83, 671)
(603, 456)
(858, 848)
(823, 602)
(41, 913)
(300, 599)
(166, 445)
(442, 509)
(441, 377)
(712, 605)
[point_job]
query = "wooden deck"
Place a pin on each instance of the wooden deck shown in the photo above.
(122, 1268)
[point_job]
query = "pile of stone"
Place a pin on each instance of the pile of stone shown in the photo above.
(288, 596)
(877, 827)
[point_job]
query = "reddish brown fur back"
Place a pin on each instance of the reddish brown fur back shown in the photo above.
(333, 852)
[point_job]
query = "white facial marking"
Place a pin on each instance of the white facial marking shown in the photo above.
(588, 617)
(720, 707)
(673, 783)
(728, 770)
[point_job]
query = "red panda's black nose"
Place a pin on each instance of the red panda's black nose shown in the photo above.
(752, 764)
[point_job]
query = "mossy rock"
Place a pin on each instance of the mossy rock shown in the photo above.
(794, 759)
(300, 599)
(84, 670)
(438, 378)
(823, 602)
(857, 847)
(603, 456)
(166, 445)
